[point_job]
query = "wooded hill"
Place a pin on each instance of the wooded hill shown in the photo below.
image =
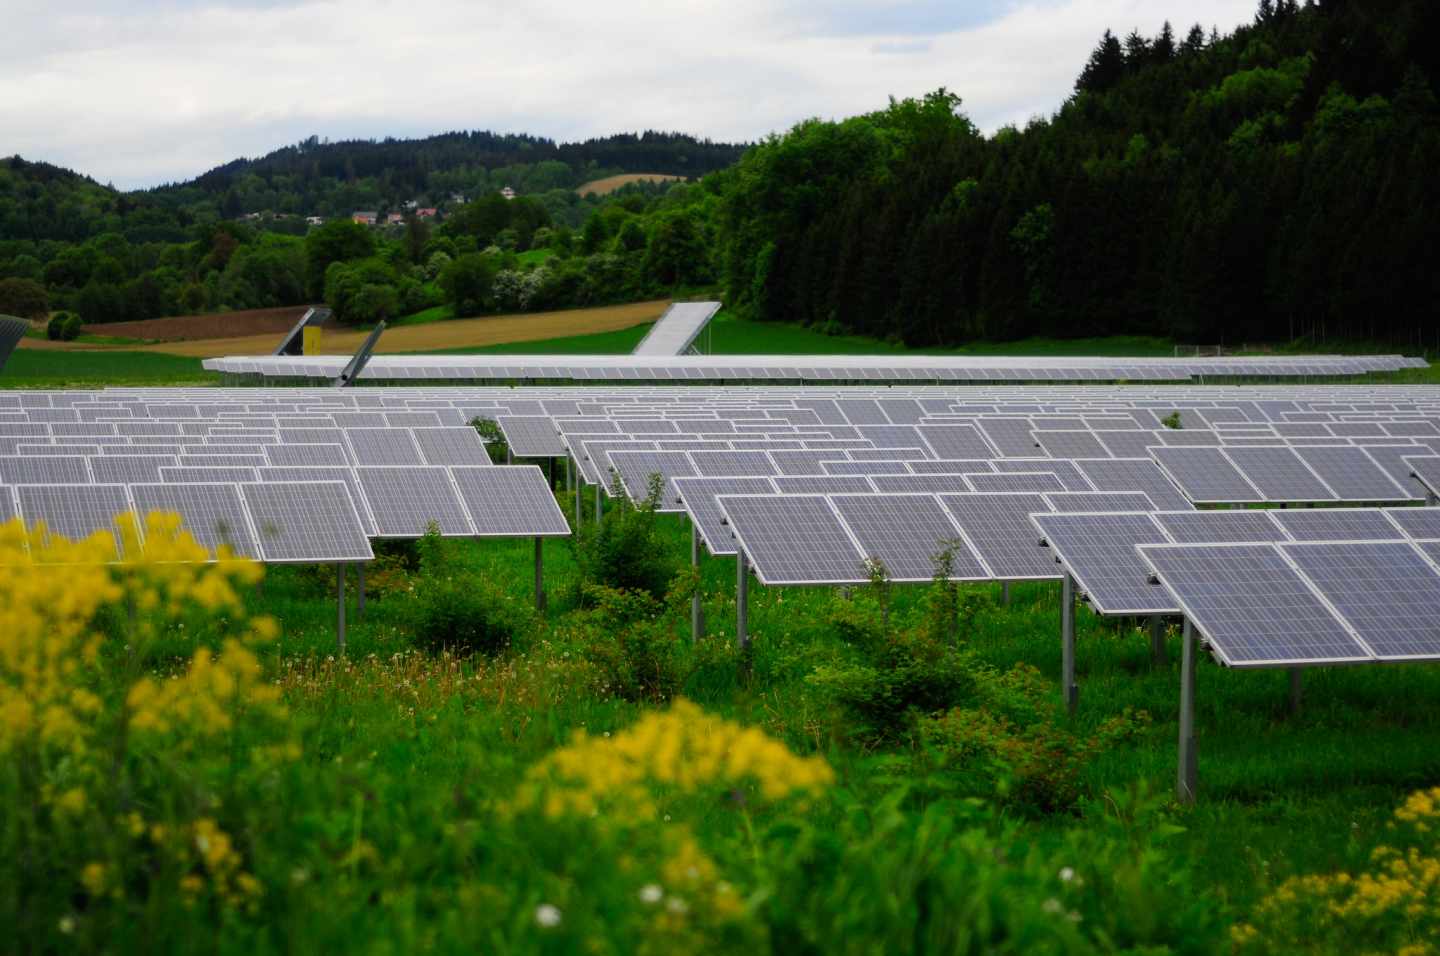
(1265, 185)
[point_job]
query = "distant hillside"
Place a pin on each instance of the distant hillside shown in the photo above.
(606, 186)
(332, 179)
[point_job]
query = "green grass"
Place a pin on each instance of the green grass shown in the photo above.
(438, 313)
(39, 368)
(534, 257)
(619, 342)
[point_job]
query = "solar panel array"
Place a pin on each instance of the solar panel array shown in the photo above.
(676, 331)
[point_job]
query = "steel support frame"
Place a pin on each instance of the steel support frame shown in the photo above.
(1068, 687)
(742, 601)
(1187, 769)
(697, 612)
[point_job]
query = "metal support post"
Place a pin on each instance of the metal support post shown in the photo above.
(598, 510)
(1157, 641)
(1005, 593)
(360, 591)
(697, 613)
(540, 574)
(340, 605)
(1067, 644)
(1296, 691)
(578, 513)
(1186, 771)
(742, 601)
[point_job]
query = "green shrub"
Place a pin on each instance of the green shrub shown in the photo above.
(634, 641)
(460, 613)
(63, 327)
(495, 444)
(625, 549)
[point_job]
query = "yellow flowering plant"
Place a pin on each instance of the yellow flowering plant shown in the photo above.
(1391, 906)
(127, 662)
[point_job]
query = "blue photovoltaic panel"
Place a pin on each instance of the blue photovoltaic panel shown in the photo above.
(865, 468)
(214, 515)
(1205, 475)
(1070, 444)
(951, 466)
(75, 512)
(1393, 458)
(1070, 502)
(1279, 474)
(1220, 527)
(823, 484)
(322, 473)
(451, 445)
(1426, 469)
(531, 436)
(1387, 592)
(927, 484)
(405, 501)
(510, 501)
(383, 446)
(1036, 481)
(1009, 436)
(129, 469)
(698, 497)
(800, 462)
(1418, 523)
(726, 463)
(957, 441)
(794, 539)
(998, 527)
(184, 475)
(320, 456)
(1070, 477)
(906, 533)
(7, 504)
(1099, 551)
(1252, 607)
(1336, 524)
(47, 470)
(1135, 474)
(306, 522)
(1352, 474)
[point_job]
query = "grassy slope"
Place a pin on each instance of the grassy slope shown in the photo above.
(34, 368)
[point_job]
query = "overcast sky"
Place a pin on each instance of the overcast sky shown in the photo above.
(140, 92)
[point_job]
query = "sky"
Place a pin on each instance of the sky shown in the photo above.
(142, 92)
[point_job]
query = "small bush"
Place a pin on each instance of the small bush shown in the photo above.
(625, 550)
(633, 640)
(466, 616)
(63, 327)
(495, 444)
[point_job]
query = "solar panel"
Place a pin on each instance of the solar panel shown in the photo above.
(1351, 473)
(1279, 473)
(1426, 469)
(74, 512)
(1219, 527)
(1099, 551)
(890, 436)
(308, 455)
(1392, 458)
(510, 501)
(414, 419)
(531, 436)
(1070, 477)
(865, 468)
(1336, 524)
(214, 515)
(998, 527)
(322, 473)
(1036, 481)
(1252, 607)
(8, 510)
(794, 539)
(1386, 591)
(927, 484)
(1135, 474)
(636, 467)
(49, 470)
(952, 466)
(595, 459)
(306, 522)
(956, 441)
(1070, 444)
(404, 502)
(186, 475)
(39, 450)
(129, 469)
(698, 496)
(1418, 523)
(451, 445)
(1205, 475)
(888, 454)
(719, 464)
(906, 533)
(823, 484)
(383, 446)
(223, 461)
(1008, 436)
(1070, 502)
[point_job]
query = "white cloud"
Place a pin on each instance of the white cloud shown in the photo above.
(143, 93)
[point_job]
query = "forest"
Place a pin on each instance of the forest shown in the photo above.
(1270, 185)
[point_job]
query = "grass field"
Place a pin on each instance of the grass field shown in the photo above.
(606, 186)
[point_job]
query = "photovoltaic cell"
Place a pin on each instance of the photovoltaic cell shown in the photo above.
(1135, 474)
(906, 533)
(724, 463)
(1337, 524)
(383, 446)
(1352, 474)
(129, 469)
(404, 501)
(1279, 474)
(998, 527)
(74, 512)
(794, 539)
(309, 522)
(698, 497)
(1070, 477)
(927, 484)
(531, 436)
(1099, 551)
(321, 473)
(1392, 458)
(800, 462)
(1036, 481)
(1418, 523)
(1070, 502)
(823, 484)
(330, 455)
(214, 515)
(1205, 475)
(49, 470)
(451, 445)
(510, 501)
(8, 511)
(1386, 591)
(1252, 607)
(1070, 444)
(217, 475)
(956, 441)
(865, 468)
(636, 467)
(1220, 527)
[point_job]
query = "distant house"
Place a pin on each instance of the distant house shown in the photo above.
(411, 203)
(395, 218)
(315, 220)
(508, 193)
(429, 212)
(365, 217)
(251, 216)
(458, 198)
